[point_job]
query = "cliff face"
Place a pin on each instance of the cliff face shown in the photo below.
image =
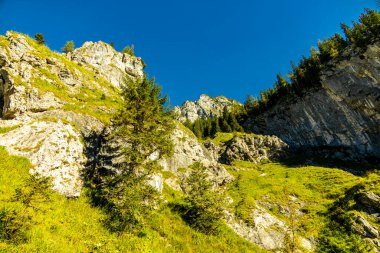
(343, 115)
(205, 107)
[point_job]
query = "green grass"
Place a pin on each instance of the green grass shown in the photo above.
(73, 225)
(313, 188)
(4, 130)
(221, 138)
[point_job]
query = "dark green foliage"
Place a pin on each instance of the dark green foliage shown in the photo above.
(130, 50)
(307, 73)
(332, 48)
(145, 126)
(336, 239)
(202, 207)
(68, 47)
(366, 31)
(205, 128)
(36, 190)
(14, 223)
(39, 38)
(112, 44)
(16, 219)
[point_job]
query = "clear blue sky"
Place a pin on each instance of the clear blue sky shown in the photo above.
(231, 48)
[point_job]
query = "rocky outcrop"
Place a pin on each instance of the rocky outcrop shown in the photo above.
(267, 231)
(248, 147)
(54, 149)
(342, 115)
(187, 151)
(205, 107)
(254, 149)
(111, 64)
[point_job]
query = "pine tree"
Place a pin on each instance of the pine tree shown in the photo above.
(146, 125)
(68, 47)
(204, 206)
(39, 38)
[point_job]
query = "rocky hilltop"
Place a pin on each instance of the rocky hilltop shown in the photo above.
(342, 116)
(205, 107)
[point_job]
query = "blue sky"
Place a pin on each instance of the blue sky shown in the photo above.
(231, 48)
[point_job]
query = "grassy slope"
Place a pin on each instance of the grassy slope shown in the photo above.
(311, 189)
(72, 225)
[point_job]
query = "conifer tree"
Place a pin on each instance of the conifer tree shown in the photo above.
(146, 125)
(68, 47)
(39, 38)
(204, 206)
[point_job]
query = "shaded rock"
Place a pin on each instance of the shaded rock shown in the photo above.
(364, 228)
(254, 149)
(369, 200)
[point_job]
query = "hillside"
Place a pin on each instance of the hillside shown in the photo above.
(64, 141)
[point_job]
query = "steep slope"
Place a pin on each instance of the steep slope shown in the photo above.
(342, 116)
(205, 107)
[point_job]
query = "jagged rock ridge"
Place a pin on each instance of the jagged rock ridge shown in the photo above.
(205, 107)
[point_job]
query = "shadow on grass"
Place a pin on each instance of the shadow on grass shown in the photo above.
(330, 160)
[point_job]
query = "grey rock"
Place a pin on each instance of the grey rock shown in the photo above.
(364, 228)
(53, 148)
(342, 114)
(254, 149)
(205, 107)
(108, 62)
(370, 200)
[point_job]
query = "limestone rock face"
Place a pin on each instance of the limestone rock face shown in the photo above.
(110, 63)
(16, 68)
(205, 107)
(188, 150)
(54, 149)
(254, 149)
(267, 231)
(343, 114)
(248, 147)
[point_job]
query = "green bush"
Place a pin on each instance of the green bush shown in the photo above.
(202, 207)
(35, 190)
(14, 224)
